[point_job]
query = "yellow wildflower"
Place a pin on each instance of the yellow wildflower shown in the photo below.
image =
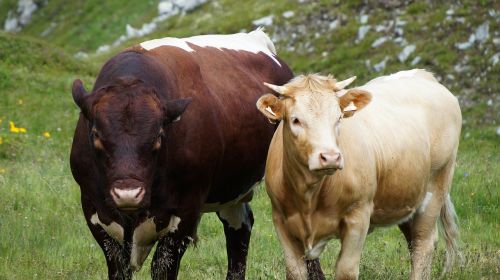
(1, 140)
(20, 101)
(15, 129)
(2, 170)
(46, 134)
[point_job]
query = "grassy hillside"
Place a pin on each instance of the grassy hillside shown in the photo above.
(42, 230)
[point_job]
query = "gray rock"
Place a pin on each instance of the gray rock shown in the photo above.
(498, 130)
(407, 51)
(496, 41)
(288, 14)
(16, 20)
(165, 7)
(264, 21)
(11, 24)
(362, 31)
(495, 58)
(363, 19)
(380, 28)
(81, 55)
(381, 65)
(468, 44)
(334, 24)
(49, 29)
(377, 43)
(416, 60)
(103, 48)
(483, 32)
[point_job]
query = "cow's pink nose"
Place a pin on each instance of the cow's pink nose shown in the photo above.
(330, 159)
(127, 194)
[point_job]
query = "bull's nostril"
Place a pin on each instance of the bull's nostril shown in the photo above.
(115, 193)
(140, 193)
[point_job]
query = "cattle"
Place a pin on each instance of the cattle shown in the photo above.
(345, 161)
(167, 134)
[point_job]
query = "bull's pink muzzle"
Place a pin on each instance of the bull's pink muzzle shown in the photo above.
(127, 194)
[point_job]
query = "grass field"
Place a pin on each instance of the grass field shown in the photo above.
(42, 230)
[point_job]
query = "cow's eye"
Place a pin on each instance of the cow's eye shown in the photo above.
(296, 121)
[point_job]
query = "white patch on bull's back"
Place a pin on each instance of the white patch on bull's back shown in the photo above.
(144, 237)
(425, 202)
(254, 42)
(114, 229)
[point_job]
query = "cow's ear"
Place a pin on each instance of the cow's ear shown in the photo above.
(80, 96)
(271, 106)
(175, 108)
(354, 100)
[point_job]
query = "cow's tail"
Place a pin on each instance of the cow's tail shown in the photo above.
(448, 219)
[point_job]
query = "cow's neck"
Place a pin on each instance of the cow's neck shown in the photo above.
(300, 180)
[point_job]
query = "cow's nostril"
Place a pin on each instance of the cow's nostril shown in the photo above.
(323, 158)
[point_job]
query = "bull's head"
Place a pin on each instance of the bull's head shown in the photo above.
(127, 124)
(312, 108)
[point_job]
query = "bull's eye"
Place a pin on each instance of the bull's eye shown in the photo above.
(157, 143)
(96, 140)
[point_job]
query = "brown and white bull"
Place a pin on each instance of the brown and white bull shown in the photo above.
(168, 134)
(345, 161)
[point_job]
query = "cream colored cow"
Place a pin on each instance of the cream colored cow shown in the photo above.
(336, 171)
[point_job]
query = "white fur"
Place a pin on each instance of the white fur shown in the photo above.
(254, 42)
(236, 216)
(114, 229)
(425, 202)
(145, 235)
(214, 207)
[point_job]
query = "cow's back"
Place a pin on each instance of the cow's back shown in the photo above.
(393, 146)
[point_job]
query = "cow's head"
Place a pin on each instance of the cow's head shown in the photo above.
(127, 132)
(312, 108)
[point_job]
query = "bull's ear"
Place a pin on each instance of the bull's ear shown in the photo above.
(80, 96)
(354, 100)
(175, 108)
(271, 106)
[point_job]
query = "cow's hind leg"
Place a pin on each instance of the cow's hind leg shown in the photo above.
(238, 221)
(424, 232)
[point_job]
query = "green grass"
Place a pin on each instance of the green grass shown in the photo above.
(42, 230)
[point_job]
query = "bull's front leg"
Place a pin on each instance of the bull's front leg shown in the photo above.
(353, 231)
(115, 249)
(171, 248)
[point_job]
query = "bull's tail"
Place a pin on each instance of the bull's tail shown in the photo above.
(450, 231)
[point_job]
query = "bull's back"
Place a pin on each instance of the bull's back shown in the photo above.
(229, 137)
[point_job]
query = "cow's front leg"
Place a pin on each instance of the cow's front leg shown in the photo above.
(353, 231)
(296, 268)
(238, 221)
